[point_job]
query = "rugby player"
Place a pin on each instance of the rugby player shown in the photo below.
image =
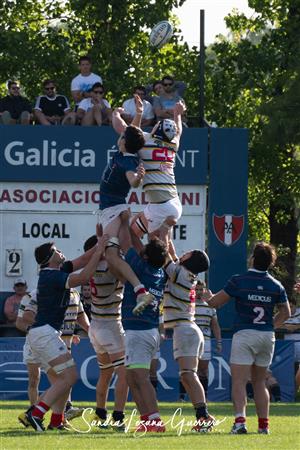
(121, 173)
(142, 335)
(106, 334)
(158, 155)
(207, 320)
(53, 296)
(256, 293)
(188, 341)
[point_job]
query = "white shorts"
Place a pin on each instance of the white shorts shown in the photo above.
(252, 347)
(46, 344)
(107, 215)
(188, 340)
(30, 358)
(107, 336)
(206, 356)
(156, 213)
(141, 347)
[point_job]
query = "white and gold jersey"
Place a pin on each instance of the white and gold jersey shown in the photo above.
(28, 303)
(159, 160)
(74, 310)
(203, 317)
(179, 299)
(107, 294)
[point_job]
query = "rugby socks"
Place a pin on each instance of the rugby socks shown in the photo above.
(263, 423)
(101, 413)
(118, 416)
(201, 411)
(40, 410)
(239, 418)
(56, 420)
(204, 382)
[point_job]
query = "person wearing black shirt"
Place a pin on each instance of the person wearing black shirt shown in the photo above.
(15, 109)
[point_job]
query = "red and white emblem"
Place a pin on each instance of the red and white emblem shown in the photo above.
(228, 228)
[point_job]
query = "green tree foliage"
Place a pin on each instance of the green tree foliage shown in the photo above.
(253, 80)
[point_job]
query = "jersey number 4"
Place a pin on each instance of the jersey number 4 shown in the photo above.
(260, 315)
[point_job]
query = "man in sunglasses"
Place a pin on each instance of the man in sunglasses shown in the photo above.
(52, 108)
(94, 110)
(164, 104)
(15, 109)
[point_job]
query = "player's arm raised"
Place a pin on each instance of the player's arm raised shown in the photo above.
(77, 279)
(135, 178)
(219, 299)
(139, 109)
(118, 123)
(178, 111)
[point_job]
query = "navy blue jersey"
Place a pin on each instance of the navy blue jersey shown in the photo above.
(52, 297)
(154, 281)
(256, 293)
(114, 185)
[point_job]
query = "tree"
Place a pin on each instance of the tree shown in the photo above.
(254, 81)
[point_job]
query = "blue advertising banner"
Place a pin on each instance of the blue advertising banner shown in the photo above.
(79, 154)
(14, 379)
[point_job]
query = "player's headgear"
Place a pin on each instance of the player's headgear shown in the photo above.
(166, 130)
(198, 262)
(43, 253)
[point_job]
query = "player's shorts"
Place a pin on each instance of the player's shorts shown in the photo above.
(46, 344)
(107, 336)
(206, 356)
(188, 340)
(156, 213)
(30, 358)
(107, 215)
(252, 347)
(141, 346)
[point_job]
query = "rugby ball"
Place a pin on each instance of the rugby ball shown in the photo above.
(160, 34)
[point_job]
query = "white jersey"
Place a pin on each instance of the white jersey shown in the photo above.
(86, 104)
(159, 160)
(203, 317)
(179, 299)
(74, 310)
(107, 294)
(85, 83)
(28, 303)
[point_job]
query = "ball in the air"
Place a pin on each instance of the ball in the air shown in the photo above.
(160, 34)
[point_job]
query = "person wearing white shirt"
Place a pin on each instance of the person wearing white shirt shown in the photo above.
(82, 84)
(94, 110)
(130, 108)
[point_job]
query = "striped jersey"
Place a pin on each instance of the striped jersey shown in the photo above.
(179, 299)
(159, 160)
(28, 303)
(107, 294)
(74, 310)
(203, 317)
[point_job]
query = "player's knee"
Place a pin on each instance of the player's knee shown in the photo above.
(187, 375)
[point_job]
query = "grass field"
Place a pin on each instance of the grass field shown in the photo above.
(285, 431)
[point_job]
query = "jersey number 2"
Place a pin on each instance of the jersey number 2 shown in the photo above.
(260, 314)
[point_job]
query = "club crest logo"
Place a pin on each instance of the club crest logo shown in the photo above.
(228, 228)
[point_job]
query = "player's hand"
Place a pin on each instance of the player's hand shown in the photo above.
(118, 110)
(139, 107)
(76, 339)
(206, 294)
(99, 230)
(140, 171)
(179, 108)
(102, 241)
(219, 347)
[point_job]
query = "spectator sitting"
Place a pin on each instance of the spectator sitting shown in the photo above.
(12, 303)
(53, 108)
(86, 299)
(156, 88)
(130, 108)
(82, 84)
(164, 104)
(94, 110)
(15, 109)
